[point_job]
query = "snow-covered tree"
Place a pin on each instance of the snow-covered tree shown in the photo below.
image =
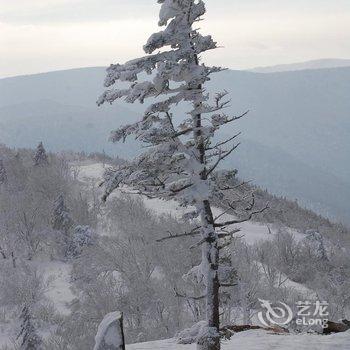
(3, 173)
(40, 156)
(83, 236)
(181, 156)
(61, 219)
(62, 223)
(30, 340)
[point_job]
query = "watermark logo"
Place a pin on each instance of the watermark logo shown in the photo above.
(275, 315)
(308, 313)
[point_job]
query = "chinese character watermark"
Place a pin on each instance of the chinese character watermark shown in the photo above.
(308, 313)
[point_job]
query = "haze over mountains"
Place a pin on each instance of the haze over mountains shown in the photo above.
(295, 141)
(314, 64)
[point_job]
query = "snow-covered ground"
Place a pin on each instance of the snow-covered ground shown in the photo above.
(56, 276)
(249, 340)
(261, 340)
(60, 293)
(59, 288)
(251, 231)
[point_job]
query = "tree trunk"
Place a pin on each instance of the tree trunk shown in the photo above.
(211, 260)
(13, 260)
(210, 340)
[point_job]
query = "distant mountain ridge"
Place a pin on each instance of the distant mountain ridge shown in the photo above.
(314, 64)
(295, 139)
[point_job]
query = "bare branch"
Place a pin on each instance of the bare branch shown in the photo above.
(174, 192)
(228, 284)
(232, 222)
(222, 157)
(222, 214)
(223, 142)
(236, 186)
(194, 232)
(178, 295)
(228, 234)
(237, 117)
(203, 240)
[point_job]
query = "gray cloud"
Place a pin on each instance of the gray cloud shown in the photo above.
(76, 11)
(43, 35)
(54, 11)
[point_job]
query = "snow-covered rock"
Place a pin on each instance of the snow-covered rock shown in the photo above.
(110, 333)
(189, 335)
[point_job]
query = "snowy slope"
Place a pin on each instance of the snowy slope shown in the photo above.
(59, 287)
(252, 231)
(60, 293)
(56, 276)
(261, 340)
(250, 340)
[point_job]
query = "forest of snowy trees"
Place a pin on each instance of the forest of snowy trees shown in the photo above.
(115, 258)
(35, 225)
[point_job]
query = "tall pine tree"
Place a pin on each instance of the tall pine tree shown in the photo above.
(62, 222)
(40, 156)
(30, 340)
(61, 219)
(180, 161)
(3, 173)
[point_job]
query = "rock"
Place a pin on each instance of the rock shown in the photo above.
(277, 329)
(227, 331)
(190, 335)
(346, 322)
(334, 327)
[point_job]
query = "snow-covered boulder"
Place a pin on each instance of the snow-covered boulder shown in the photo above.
(190, 335)
(110, 335)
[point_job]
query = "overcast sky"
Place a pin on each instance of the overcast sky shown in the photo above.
(43, 35)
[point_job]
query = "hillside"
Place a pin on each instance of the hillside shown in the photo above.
(251, 231)
(289, 140)
(77, 288)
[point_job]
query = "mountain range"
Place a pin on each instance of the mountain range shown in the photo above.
(314, 64)
(295, 140)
